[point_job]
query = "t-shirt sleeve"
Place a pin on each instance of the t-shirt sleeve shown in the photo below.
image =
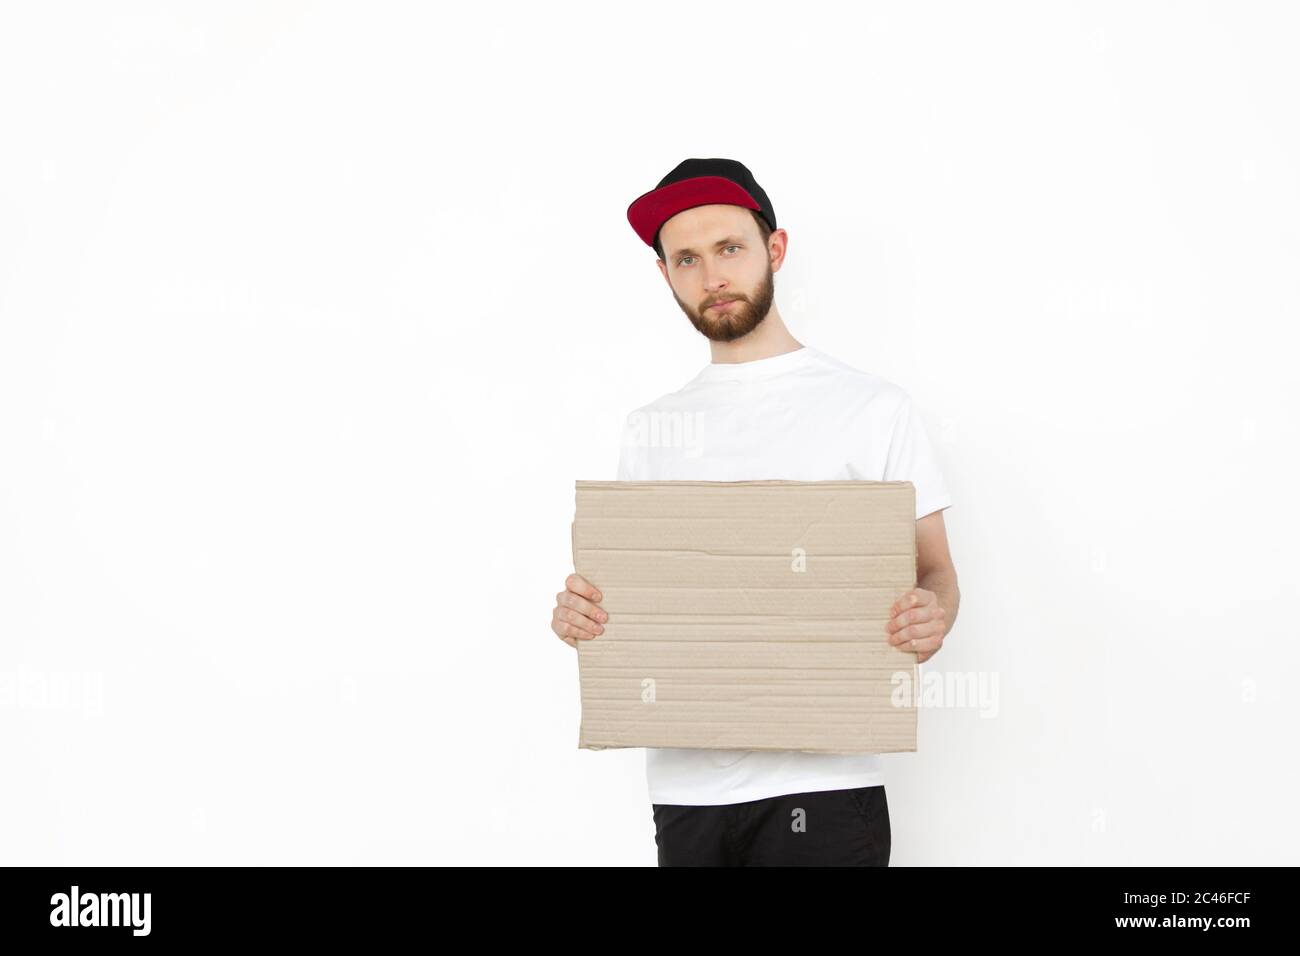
(912, 458)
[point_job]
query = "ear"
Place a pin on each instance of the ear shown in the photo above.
(777, 244)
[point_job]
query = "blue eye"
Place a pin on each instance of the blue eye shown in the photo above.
(682, 260)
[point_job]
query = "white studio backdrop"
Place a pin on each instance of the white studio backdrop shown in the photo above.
(311, 314)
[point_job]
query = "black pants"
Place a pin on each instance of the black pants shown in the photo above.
(823, 828)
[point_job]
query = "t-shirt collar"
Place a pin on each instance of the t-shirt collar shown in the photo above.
(758, 368)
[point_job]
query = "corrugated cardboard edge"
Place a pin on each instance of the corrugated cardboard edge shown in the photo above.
(573, 553)
(580, 483)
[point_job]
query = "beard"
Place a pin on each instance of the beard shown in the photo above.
(727, 325)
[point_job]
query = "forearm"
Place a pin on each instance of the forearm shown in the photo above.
(943, 582)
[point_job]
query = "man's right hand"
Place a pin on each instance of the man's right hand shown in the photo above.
(578, 615)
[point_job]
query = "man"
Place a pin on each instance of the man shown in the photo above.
(769, 407)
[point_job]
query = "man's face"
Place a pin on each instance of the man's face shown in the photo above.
(718, 268)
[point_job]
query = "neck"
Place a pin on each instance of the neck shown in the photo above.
(770, 338)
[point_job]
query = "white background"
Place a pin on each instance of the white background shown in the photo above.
(310, 315)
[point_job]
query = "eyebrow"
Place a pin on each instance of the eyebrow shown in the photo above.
(729, 240)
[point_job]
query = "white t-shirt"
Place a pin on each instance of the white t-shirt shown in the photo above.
(800, 416)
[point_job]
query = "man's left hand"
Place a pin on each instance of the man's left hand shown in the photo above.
(917, 623)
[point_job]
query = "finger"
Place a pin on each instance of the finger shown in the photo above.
(557, 628)
(566, 632)
(917, 615)
(918, 645)
(579, 622)
(926, 629)
(916, 597)
(580, 585)
(577, 633)
(582, 606)
(582, 625)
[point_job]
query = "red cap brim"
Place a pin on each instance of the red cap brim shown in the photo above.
(651, 210)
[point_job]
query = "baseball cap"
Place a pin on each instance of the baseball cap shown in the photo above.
(697, 182)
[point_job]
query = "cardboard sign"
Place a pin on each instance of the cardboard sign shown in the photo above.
(747, 615)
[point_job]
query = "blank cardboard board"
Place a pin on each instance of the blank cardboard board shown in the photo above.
(747, 615)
